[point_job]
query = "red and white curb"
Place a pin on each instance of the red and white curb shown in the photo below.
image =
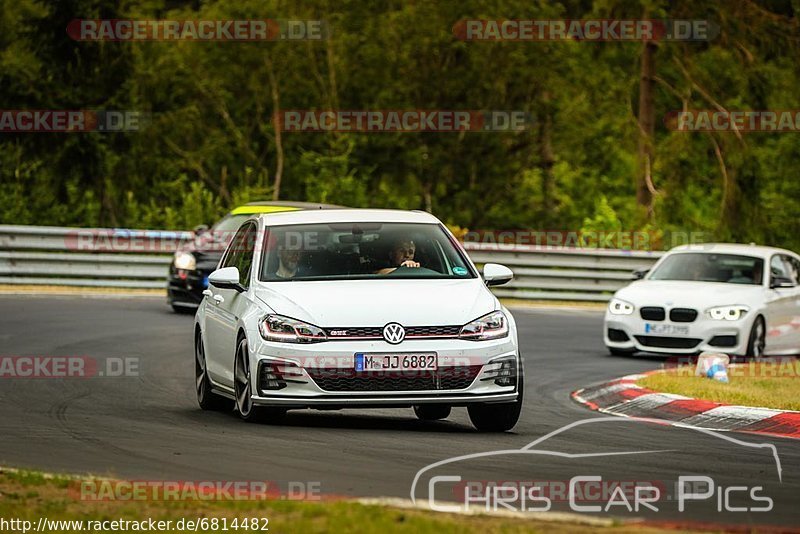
(623, 397)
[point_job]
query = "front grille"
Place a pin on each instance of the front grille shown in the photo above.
(446, 378)
(664, 342)
(419, 331)
(376, 332)
(617, 335)
(682, 315)
(344, 332)
(652, 313)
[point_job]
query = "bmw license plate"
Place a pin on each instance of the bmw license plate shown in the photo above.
(411, 361)
(666, 329)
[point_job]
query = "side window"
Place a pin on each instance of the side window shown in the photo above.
(245, 259)
(234, 252)
(779, 267)
(792, 268)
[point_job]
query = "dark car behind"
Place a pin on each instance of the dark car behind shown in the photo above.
(193, 262)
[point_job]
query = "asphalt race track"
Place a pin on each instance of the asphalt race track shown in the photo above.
(150, 427)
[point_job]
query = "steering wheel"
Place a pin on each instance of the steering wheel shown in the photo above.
(405, 271)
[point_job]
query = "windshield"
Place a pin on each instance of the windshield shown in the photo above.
(361, 251)
(706, 267)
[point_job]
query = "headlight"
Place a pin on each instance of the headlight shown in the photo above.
(620, 307)
(184, 260)
(728, 313)
(491, 326)
(286, 330)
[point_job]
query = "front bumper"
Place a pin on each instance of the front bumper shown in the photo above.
(474, 364)
(702, 335)
(185, 288)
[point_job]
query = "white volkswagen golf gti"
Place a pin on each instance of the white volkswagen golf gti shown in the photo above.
(351, 308)
(737, 299)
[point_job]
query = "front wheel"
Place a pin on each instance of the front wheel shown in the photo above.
(758, 339)
(498, 417)
(242, 382)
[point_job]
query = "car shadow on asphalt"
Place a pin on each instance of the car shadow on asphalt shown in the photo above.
(361, 421)
(647, 356)
(342, 419)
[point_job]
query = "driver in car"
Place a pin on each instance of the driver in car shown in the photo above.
(401, 255)
(288, 262)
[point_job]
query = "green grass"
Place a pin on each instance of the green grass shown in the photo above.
(30, 495)
(762, 385)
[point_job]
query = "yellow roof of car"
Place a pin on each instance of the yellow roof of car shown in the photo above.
(248, 210)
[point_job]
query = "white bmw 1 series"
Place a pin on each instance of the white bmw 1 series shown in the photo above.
(346, 308)
(737, 299)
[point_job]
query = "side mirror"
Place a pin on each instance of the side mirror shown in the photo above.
(495, 274)
(227, 278)
(780, 282)
(200, 229)
(639, 274)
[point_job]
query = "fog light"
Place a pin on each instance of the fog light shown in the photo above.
(508, 373)
(271, 381)
(502, 372)
(273, 376)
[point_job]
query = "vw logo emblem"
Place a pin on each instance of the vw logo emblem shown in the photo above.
(394, 333)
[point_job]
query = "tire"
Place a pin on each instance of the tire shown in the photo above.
(432, 412)
(206, 398)
(757, 340)
(242, 386)
(498, 417)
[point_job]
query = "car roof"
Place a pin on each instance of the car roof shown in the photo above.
(733, 248)
(278, 206)
(350, 215)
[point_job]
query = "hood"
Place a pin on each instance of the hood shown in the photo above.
(377, 302)
(684, 294)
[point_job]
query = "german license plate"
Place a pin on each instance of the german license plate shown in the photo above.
(666, 329)
(416, 361)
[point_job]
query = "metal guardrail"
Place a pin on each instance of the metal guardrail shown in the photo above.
(96, 257)
(89, 257)
(554, 273)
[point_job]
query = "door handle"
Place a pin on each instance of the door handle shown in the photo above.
(219, 299)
